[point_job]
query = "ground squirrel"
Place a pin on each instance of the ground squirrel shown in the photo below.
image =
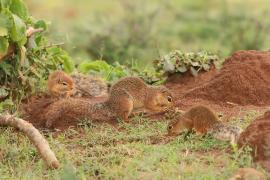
(60, 84)
(151, 98)
(248, 174)
(204, 121)
(119, 104)
(89, 86)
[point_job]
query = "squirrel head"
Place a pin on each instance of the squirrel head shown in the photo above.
(61, 84)
(160, 98)
(177, 127)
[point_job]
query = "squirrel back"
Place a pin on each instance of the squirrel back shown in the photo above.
(200, 118)
(72, 110)
(153, 98)
(60, 84)
(135, 86)
(203, 120)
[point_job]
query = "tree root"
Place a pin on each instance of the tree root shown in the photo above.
(35, 137)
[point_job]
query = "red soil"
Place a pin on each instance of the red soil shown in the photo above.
(242, 83)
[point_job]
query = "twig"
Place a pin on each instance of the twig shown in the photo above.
(52, 45)
(30, 31)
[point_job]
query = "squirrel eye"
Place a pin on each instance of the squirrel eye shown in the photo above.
(64, 83)
(169, 98)
(170, 127)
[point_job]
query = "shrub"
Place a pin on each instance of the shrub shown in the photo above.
(26, 57)
(180, 62)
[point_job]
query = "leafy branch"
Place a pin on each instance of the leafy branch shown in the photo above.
(180, 62)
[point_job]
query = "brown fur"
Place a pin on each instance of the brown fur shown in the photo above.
(248, 174)
(72, 110)
(60, 84)
(199, 118)
(257, 136)
(120, 104)
(141, 95)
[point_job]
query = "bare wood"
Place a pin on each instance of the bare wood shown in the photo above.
(35, 137)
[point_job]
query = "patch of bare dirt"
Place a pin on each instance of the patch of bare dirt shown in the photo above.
(243, 83)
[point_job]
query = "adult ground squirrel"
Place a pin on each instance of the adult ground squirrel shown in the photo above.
(60, 84)
(151, 98)
(203, 120)
(119, 104)
(89, 86)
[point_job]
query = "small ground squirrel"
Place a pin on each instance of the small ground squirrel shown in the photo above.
(203, 121)
(60, 84)
(151, 98)
(120, 102)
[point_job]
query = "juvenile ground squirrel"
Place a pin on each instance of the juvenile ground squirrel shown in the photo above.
(203, 120)
(60, 84)
(151, 98)
(119, 104)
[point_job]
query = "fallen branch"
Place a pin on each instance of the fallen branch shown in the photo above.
(35, 137)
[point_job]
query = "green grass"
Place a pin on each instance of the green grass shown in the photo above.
(130, 151)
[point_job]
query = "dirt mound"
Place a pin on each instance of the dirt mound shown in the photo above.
(257, 136)
(242, 81)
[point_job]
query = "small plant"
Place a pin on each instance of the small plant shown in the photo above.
(115, 71)
(180, 62)
(26, 56)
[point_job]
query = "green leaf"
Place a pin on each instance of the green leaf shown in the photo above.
(182, 69)
(68, 64)
(18, 7)
(193, 71)
(4, 3)
(194, 63)
(6, 20)
(41, 24)
(98, 66)
(18, 32)
(3, 31)
(3, 45)
(206, 67)
(3, 92)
